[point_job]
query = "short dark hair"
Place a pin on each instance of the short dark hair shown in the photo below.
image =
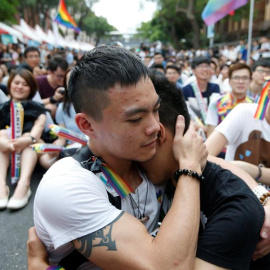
(239, 66)
(172, 101)
(199, 60)
(157, 66)
(29, 78)
(30, 49)
(173, 67)
(97, 71)
(261, 63)
(57, 61)
(223, 66)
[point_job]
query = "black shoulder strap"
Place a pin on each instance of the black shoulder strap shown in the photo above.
(83, 155)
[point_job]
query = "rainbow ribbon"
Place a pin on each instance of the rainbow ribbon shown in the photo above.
(120, 186)
(46, 148)
(263, 101)
(68, 134)
(16, 123)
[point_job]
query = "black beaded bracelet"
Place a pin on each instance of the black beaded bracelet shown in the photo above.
(52, 100)
(190, 173)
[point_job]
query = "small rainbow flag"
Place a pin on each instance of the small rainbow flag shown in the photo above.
(46, 148)
(263, 101)
(68, 134)
(120, 186)
(215, 10)
(64, 18)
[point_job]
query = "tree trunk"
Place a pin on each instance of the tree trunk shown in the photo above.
(190, 13)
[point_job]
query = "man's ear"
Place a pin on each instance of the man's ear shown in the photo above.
(85, 124)
(161, 134)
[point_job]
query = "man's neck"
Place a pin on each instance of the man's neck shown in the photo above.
(126, 169)
(202, 85)
(255, 88)
(238, 96)
(51, 81)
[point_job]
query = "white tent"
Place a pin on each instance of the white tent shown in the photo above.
(12, 31)
(27, 31)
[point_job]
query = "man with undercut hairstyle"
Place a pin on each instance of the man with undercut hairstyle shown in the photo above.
(117, 107)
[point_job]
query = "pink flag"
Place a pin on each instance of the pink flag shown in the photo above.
(215, 10)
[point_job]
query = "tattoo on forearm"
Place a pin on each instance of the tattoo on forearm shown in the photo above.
(102, 237)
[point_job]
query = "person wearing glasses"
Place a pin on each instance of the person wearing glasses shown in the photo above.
(50, 86)
(239, 79)
(200, 91)
(260, 70)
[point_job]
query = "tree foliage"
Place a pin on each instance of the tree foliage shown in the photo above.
(80, 11)
(176, 20)
(97, 27)
(8, 11)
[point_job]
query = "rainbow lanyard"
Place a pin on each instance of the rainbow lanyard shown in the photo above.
(263, 101)
(121, 187)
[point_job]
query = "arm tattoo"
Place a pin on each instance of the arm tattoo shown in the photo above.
(102, 237)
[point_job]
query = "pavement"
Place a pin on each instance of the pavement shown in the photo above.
(14, 227)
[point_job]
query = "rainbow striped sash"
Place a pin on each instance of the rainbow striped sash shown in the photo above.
(16, 123)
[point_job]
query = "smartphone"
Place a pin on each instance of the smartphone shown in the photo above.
(62, 90)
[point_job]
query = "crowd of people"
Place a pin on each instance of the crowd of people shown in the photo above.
(135, 133)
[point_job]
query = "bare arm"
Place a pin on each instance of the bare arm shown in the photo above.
(210, 130)
(215, 143)
(253, 171)
(36, 253)
(125, 243)
(25, 140)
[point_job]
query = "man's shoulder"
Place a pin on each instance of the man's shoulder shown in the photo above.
(26, 66)
(188, 90)
(213, 87)
(66, 169)
(42, 78)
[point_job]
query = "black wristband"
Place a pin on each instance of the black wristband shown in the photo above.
(52, 100)
(190, 173)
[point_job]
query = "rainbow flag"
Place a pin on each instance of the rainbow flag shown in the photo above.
(46, 148)
(263, 101)
(120, 186)
(64, 18)
(215, 10)
(68, 134)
